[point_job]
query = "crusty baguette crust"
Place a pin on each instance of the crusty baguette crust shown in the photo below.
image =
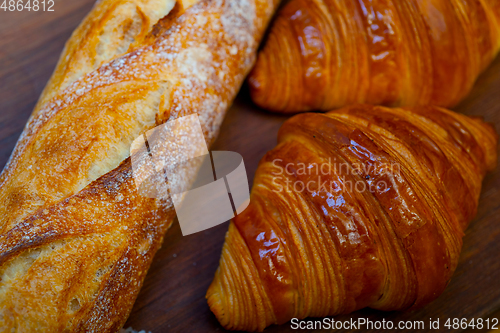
(109, 31)
(76, 238)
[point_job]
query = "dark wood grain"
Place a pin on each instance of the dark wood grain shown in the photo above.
(173, 297)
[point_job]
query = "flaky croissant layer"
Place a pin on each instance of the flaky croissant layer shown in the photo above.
(325, 54)
(361, 207)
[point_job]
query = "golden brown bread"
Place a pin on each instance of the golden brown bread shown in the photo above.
(360, 207)
(103, 36)
(326, 54)
(76, 238)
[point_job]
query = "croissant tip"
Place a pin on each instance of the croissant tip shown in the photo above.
(214, 301)
(235, 296)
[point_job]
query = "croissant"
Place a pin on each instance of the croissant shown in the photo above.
(326, 54)
(76, 235)
(361, 207)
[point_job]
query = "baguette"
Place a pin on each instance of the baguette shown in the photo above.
(76, 238)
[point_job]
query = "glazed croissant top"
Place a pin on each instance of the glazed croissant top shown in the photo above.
(360, 207)
(325, 54)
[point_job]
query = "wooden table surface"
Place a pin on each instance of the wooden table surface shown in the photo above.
(173, 296)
